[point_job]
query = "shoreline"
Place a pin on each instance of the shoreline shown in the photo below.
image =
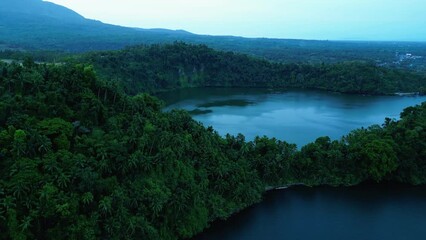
(286, 186)
(407, 94)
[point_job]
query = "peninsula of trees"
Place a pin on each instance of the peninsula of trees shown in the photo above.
(82, 159)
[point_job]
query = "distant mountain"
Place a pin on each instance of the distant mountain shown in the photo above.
(35, 24)
(39, 9)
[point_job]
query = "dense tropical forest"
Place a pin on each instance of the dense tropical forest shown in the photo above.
(166, 67)
(87, 153)
(153, 68)
(82, 159)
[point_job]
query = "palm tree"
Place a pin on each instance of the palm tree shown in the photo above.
(105, 205)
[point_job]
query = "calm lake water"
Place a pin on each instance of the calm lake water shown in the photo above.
(294, 116)
(360, 213)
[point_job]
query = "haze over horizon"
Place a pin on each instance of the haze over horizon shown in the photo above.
(367, 20)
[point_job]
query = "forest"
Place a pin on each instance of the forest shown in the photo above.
(154, 68)
(82, 156)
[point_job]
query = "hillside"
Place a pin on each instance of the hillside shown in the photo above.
(34, 24)
(80, 160)
(36, 8)
(38, 25)
(167, 67)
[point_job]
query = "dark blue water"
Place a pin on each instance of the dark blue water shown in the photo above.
(363, 212)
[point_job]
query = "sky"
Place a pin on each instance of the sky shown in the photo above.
(380, 20)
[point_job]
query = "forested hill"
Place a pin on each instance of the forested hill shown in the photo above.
(80, 160)
(179, 65)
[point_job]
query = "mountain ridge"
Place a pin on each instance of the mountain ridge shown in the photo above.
(40, 8)
(40, 25)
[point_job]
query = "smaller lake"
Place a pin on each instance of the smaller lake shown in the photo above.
(296, 116)
(365, 212)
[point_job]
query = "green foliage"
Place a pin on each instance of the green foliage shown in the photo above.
(58, 131)
(380, 159)
(79, 159)
(179, 65)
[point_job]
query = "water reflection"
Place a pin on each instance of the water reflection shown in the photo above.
(295, 116)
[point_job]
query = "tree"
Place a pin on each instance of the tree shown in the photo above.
(379, 158)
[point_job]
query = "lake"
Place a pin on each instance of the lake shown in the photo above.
(386, 211)
(296, 116)
(364, 212)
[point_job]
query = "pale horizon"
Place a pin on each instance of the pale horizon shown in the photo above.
(351, 20)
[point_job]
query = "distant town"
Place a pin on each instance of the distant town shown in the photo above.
(406, 57)
(405, 60)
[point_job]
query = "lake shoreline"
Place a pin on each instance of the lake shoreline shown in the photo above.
(317, 200)
(156, 93)
(285, 186)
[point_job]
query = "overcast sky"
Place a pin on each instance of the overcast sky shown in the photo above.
(301, 19)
